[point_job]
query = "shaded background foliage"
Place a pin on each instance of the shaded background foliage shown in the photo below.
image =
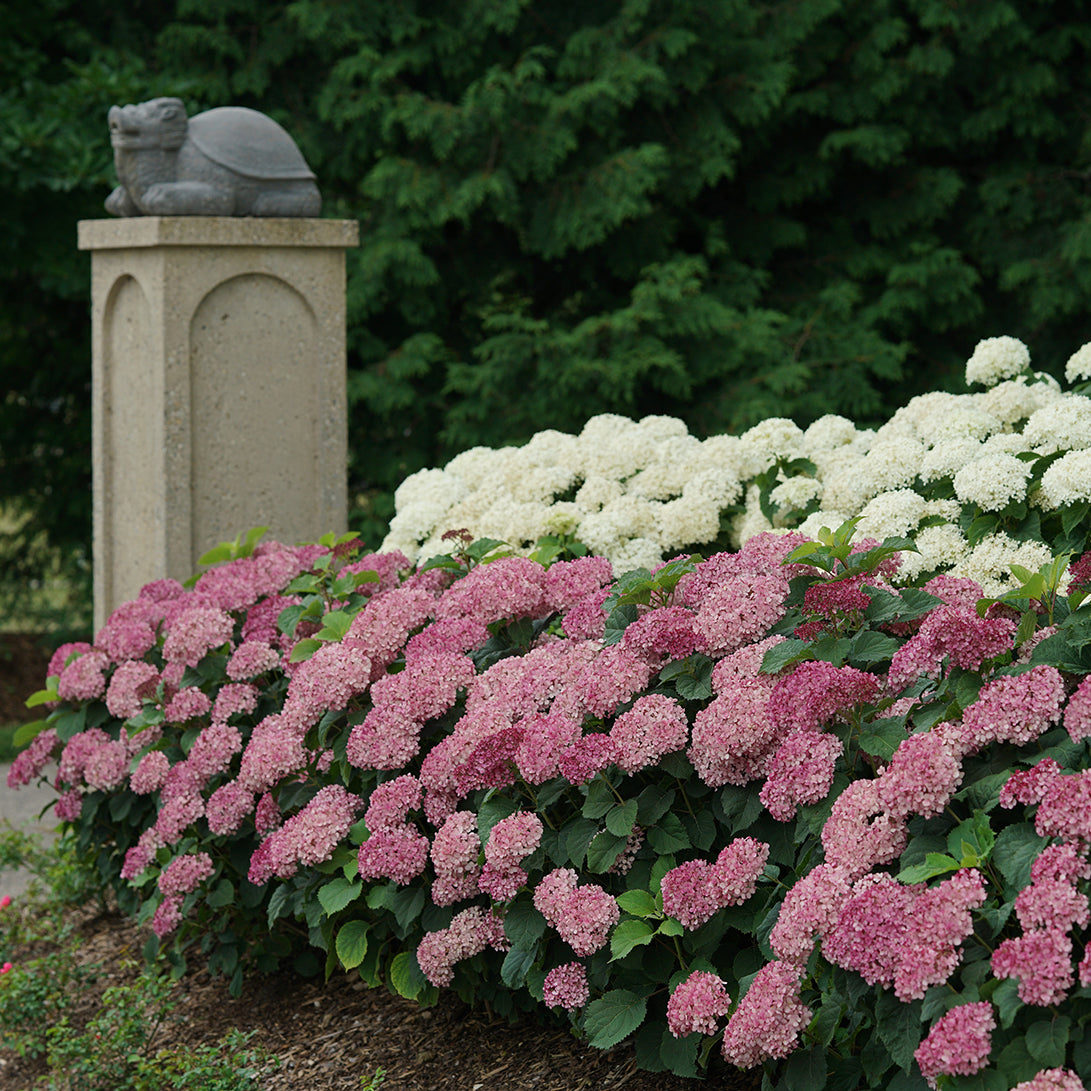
(719, 210)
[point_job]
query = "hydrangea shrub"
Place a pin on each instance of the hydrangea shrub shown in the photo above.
(783, 807)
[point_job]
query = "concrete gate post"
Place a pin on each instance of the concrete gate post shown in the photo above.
(218, 387)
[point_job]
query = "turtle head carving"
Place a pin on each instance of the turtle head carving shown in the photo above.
(230, 161)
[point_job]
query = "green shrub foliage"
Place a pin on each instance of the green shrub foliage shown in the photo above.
(721, 211)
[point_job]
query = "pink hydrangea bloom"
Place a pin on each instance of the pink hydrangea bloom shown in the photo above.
(566, 987)
(455, 850)
(810, 909)
(131, 682)
(569, 582)
(510, 587)
(586, 758)
(510, 841)
(958, 1043)
(740, 610)
(491, 763)
(656, 725)
(546, 736)
(581, 915)
(195, 632)
(695, 890)
(233, 699)
(266, 813)
(185, 873)
(140, 855)
(444, 637)
(335, 674)
(468, 934)
(59, 659)
(1028, 786)
(84, 678)
(391, 802)
(188, 703)
(251, 658)
(77, 752)
(1067, 862)
(30, 763)
(181, 803)
(382, 627)
(68, 806)
(1065, 810)
(769, 1019)
(665, 632)
(1042, 961)
(398, 852)
(615, 676)
(168, 915)
(387, 739)
(1051, 903)
(273, 752)
(833, 603)
(922, 776)
(816, 692)
(227, 807)
(697, 1005)
(800, 771)
(586, 620)
(733, 736)
(150, 773)
(1015, 709)
(1052, 1079)
(859, 834)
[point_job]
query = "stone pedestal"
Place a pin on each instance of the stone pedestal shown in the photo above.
(218, 388)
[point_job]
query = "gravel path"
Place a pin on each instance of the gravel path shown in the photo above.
(22, 809)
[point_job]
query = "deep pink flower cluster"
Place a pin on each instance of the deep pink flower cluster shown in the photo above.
(800, 771)
(510, 841)
(84, 678)
(581, 915)
(129, 685)
(471, 931)
(733, 735)
(666, 632)
(1015, 709)
(395, 848)
(566, 987)
(923, 774)
(697, 1005)
(30, 762)
(188, 703)
(694, 891)
(195, 632)
(958, 1043)
(816, 692)
(860, 834)
(185, 873)
(455, 851)
(833, 604)
(1065, 810)
(251, 658)
(654, 726)
(809, 910)
(769, 1019)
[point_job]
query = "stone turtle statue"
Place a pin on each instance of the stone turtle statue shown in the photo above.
(230, 161)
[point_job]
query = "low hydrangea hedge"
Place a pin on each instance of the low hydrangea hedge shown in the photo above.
(786, 806)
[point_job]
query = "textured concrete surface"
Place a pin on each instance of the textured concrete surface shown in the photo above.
(218, 389)
(22, 809)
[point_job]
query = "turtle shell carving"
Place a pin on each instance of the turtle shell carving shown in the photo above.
(229, 161)
(247, 142)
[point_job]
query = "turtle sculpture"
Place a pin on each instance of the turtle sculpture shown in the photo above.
(231, 161)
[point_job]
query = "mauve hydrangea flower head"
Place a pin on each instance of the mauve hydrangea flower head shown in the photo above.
(832, 604)
(769, 1019)
(29, 763)
(586, 620)
(129, 685)
(740, 610)
(510, 841)
(1051, 903)
(581, 762)
(227, 807)
(697, 1005)
(68, 806)
(815, 692)
(130, 632)
(1065, 810)
(1077, 713)
(267, 813)
(566, 987)
(382, 627)
(337, 672)
(546, 736)
(800, 771)
(150, 773)
(1066, 862)
(666, 632)
(235, 698)
(272, 753)
(581, 915)
(195, 633)
(922, 776)
(391, 802)
(189, 703)
(213, 750)
(1028, 786)
(567, 583)
(695, 890)
(1014, 708)
(468, 934)
(59, 659)
(510, 587)
(445, 636)
(859, 834)
(455, 850)
(185, 873)
(251, 658)
(654, 726)
(84, 678)
(733, 736)
(399, 853)
(140, 855)
(809, 911)
(168, 915)
(958, 1043)
(490, 763)
(76, 753)
(1042, 961)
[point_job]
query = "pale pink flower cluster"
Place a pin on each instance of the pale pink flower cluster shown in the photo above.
(694, 891)
(860, 834)
(510, 841)
(273, 751)
(810, 909)
(251, 658)
(30, 763)
(308, 837)
(140, 855)
(185, 873)
(1052, 1079)
(958, 1043)
(1077, 713)
(391, 802)
(923, 774)
(150, 773)
(581, 915)
(84, 678)
(733, 735)
(167, 915)
(336, 673)
(471, 931)
(654, 726)
(195, 632)
(511, 587)
(1042, 961)
(1015, 709)
(189, 703)
(455, 850)
(130, 684)
(697, 1005)
(227, 807)
(236, 698)
(566, 987)
(586, 758)
(213, 750)
(395, 848)
(816, 692)
(769, 1019)
(1065, 810)
(800, 771)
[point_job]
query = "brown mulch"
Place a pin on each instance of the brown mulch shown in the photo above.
(337, 1035)
(24, 659)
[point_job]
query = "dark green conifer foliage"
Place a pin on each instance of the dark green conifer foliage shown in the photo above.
(720, 210)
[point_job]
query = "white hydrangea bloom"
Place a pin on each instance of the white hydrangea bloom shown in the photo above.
(1016, 399)
(473, 468)
(623, 518)
(828, 433)
(940, 547)
(891, 514)
(660, 428)
(516, 522)
(635, 553)
(795, 493)
(1078, 367)
(562, 518)
(946, 459)
(992, 482)
(949, 510)
(1067, 481)
(596, 492)
(921, 416)
(551, 448)
(990, 560)
(768, 441)
(1008, 443)
(889, 464)
(966, 422)
(429, 487)
(721, 486)
(995, 359)
(538, 484)
(1063, 426)
(677, 459)
(814, 522)
(725, 452)
(751, 520)
(686, 521)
